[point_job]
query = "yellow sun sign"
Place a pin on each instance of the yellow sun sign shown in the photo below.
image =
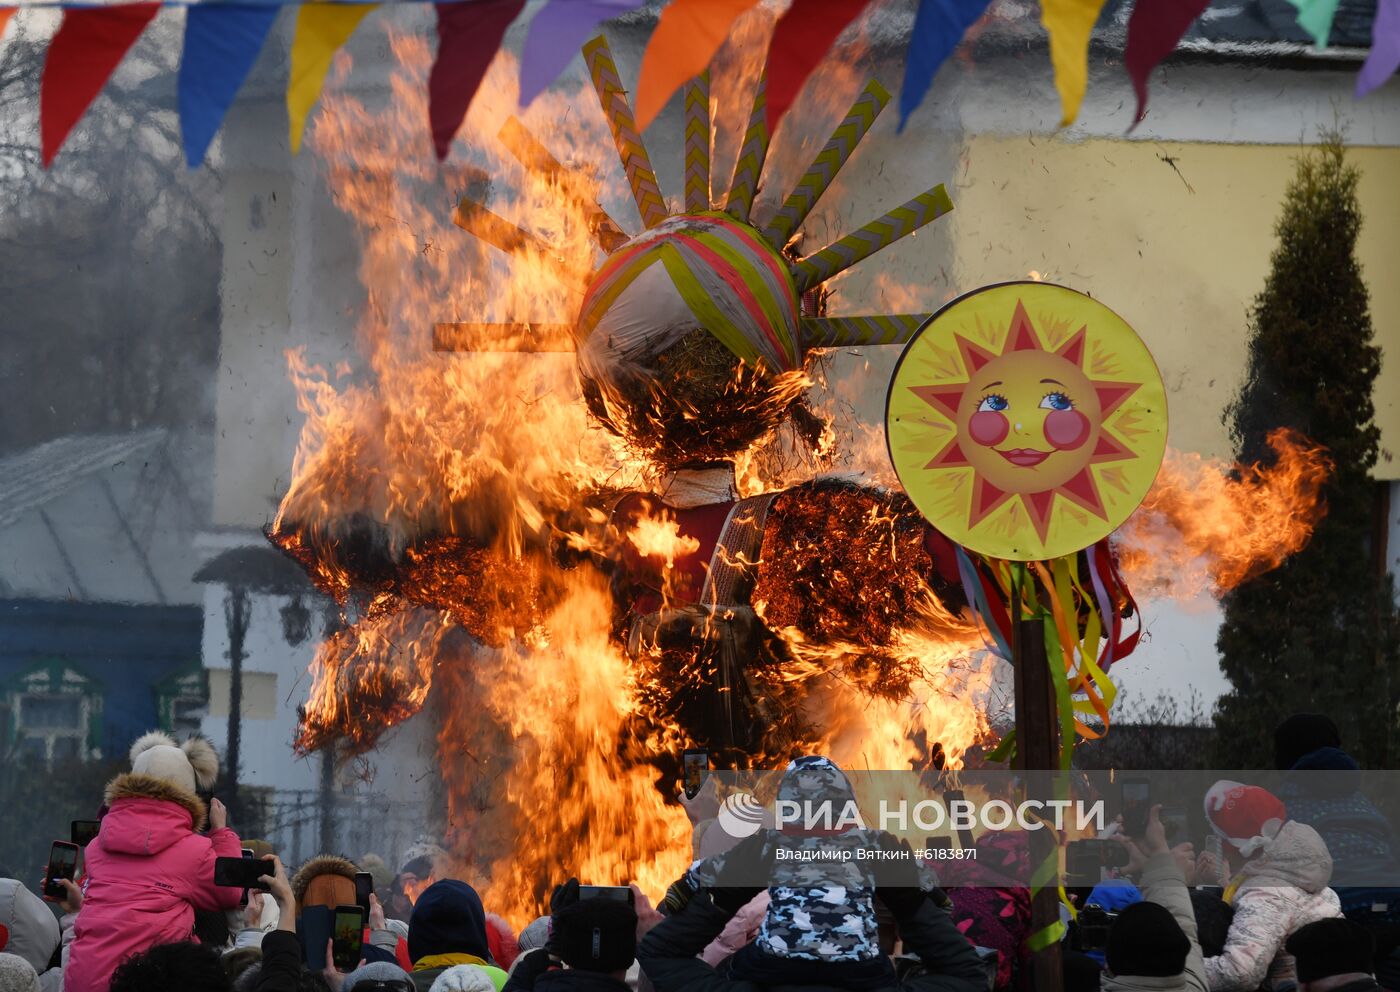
(1026, 421)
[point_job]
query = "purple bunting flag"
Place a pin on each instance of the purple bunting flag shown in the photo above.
(1385, 48)
(556, 35)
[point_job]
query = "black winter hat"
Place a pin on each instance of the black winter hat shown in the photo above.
(1146, 940)
(447, 919)
(595, 935)
(1302, 734)
(1332, 947)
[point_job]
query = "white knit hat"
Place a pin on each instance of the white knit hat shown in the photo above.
(192, 765)
(17, 974)
(464, 978)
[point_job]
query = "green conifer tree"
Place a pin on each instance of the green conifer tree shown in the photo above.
(1316, 634)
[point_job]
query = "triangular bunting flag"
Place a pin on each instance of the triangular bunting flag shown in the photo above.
(5, 14)
(801, 39)
(221, 43)
(938, 27)
(85, 50)
(321, 29)
(1069, 24)
(1315, 17)
(1385, 48)
(1153, 31)
(556, 34)
(469, 34)
(687, 35)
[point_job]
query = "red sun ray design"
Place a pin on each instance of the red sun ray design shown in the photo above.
(1072, 350)
(974, 356)
(1022, 336)
(945, 400)
(1113, 394)
(986, 500)
(1039, 506)
(950, 457)
(1083, 490)
(1075, 480)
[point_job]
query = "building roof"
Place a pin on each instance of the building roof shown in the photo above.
(33, 478)
(1246, 31)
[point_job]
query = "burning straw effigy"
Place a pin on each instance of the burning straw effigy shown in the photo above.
(537, 532)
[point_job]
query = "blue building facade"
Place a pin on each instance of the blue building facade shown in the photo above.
(83, 680)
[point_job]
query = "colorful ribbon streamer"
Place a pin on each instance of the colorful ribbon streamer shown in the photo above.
(1080, 601)
(221, 44)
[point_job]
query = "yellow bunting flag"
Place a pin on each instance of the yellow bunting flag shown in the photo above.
(321, 29)
(1069, 23)
(687, 35)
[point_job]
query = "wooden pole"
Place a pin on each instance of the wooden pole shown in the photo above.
(1037, 749)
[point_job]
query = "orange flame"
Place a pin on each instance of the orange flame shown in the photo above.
(1203, 528)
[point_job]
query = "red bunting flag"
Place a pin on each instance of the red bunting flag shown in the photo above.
(468, 35)
(84, 53)
(1154, 29)
(801, 39)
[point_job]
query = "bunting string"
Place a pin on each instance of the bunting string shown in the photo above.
(222, 39)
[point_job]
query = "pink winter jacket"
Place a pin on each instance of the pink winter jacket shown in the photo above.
(147, 872)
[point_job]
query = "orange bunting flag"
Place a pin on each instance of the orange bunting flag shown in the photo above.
(469, 33)
(687, 35)
(801, 39)
(84, 53)
(1069, 23)
(5, 14)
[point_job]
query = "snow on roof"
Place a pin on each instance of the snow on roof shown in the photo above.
(33, 478)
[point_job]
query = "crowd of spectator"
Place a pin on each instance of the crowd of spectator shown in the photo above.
(1266, 911)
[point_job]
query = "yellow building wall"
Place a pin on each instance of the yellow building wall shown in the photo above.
(1179, 251)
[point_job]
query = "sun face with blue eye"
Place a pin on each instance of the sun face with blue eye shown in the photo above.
(1030, 420)
(1023, 421)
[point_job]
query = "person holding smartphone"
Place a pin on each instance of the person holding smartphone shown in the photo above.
(1152, 944)
(592, 935)
(150, 866)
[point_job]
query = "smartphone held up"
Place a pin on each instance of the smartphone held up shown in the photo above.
(242, 873)
(62, 866)
(695, 762)
(83, 832)
(347, 937)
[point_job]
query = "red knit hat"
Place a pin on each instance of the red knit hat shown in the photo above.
(1246, 817)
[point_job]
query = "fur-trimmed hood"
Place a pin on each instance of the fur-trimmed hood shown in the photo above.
(320, 866)
(134, 786)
